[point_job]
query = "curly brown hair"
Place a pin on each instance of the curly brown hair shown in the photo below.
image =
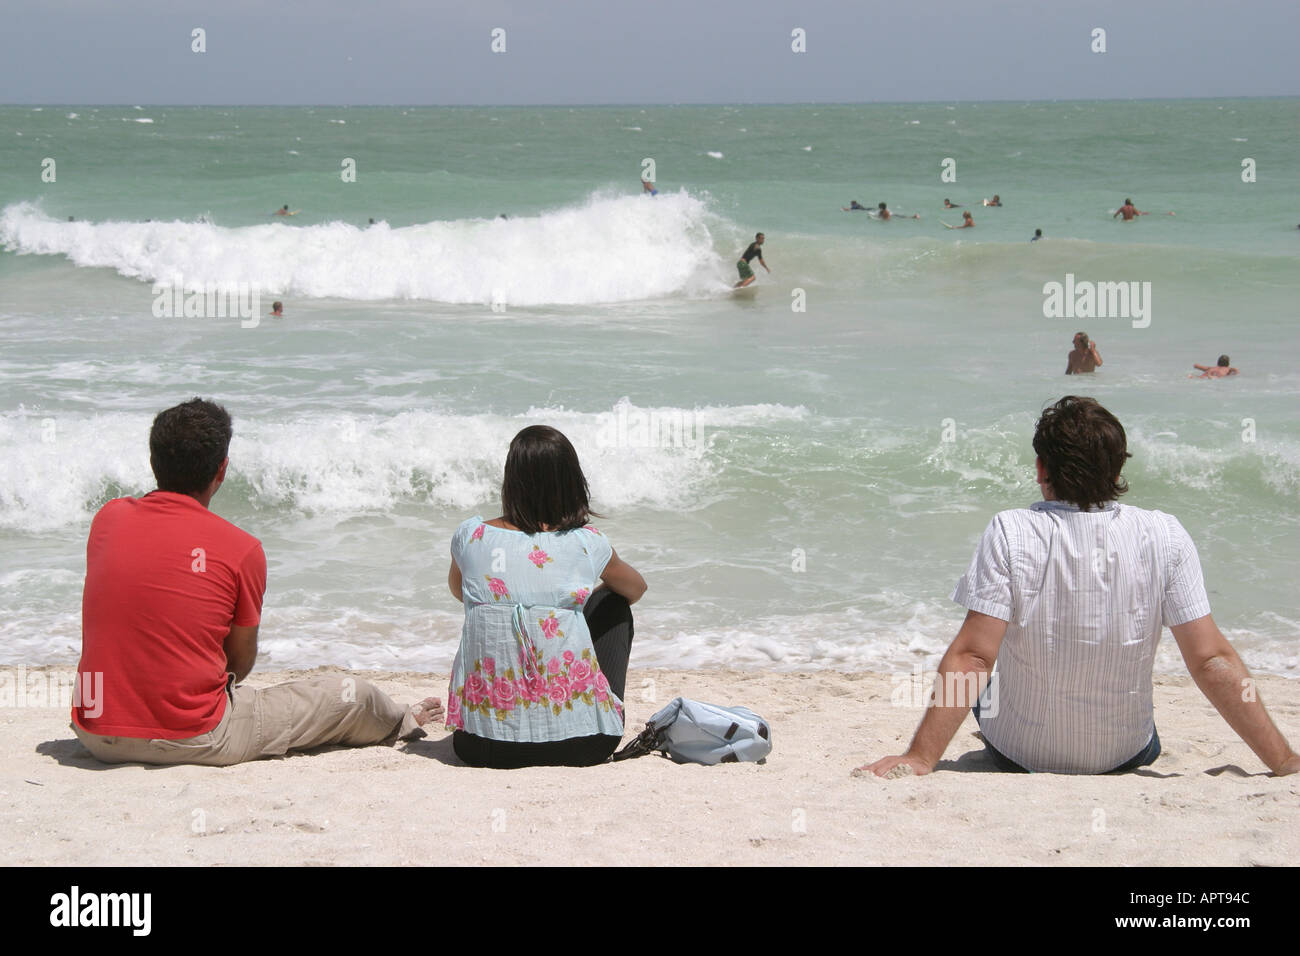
(1083, 448)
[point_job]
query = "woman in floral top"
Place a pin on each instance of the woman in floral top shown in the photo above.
(539, 677)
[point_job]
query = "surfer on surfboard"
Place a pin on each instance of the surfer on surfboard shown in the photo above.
(967, 221)
(284, 211)
(884, 215)
(742, 264)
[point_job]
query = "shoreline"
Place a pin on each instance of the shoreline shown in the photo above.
(1207, 801)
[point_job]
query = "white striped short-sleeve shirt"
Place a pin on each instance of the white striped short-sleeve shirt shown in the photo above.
(1085, 595)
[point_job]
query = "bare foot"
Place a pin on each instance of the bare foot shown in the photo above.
(427, 711)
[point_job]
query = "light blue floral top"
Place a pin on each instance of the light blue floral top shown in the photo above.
(526, 669)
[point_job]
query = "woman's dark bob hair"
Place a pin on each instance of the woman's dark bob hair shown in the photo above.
(544, 488)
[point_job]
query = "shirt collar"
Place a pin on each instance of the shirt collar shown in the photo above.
(1071, 506)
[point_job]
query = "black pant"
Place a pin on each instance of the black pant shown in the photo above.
(609, 618)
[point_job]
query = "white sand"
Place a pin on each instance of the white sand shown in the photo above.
(1207, 801)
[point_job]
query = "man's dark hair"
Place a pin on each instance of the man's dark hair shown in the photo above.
(187, 445)
(544, 488)
(758, 235)
(1083, 448)
(1224, 361)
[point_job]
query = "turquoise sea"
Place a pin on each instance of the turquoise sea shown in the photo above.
(801, 474)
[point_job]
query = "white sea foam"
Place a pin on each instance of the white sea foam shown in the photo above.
(55, 471)
(608, 249)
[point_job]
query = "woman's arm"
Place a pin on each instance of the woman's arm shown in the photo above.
(453, 581)
(621, 578)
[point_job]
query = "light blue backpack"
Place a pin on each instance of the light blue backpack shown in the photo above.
(689, 731)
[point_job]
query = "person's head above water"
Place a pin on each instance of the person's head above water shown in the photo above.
(187, 445)
(1224, 361)
(1038, 232)
(1128, 202)
(1081, 340)
(544, 488)
(881, 206)
(1083, 448)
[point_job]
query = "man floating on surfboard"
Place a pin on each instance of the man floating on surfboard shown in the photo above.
(742, 264)
(883, 214)
(967, 221)
(284, 211)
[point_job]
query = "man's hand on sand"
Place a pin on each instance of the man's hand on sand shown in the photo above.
(1290, 767)
(904, 765)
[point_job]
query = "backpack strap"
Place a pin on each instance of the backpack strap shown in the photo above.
(643, 743)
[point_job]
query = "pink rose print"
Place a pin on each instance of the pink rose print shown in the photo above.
(592, 528)
(602, 696)
(455, 719)
(580, 675)
(551, 626)
(568, 657)
(602, 683)
(475, 689)
(553, 666)
(489, 666)
(580, 596)
(536, 688)
(478, 533)
(503, 694)
(538, 556)
(498, 587)
(558, 690)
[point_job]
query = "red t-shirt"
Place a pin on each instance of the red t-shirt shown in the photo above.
(165, 580)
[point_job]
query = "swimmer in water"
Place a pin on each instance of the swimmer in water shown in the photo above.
(277, 310)
(1038, 234)
(855, 206)
(951, 205)
(284, 211)
(995, 201)
(1084, 358)
(1129, 211)
(1222, 370)
(967, 221)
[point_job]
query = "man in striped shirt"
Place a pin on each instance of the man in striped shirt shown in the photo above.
(1069, 597)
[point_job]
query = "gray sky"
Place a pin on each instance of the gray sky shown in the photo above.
(669, 51)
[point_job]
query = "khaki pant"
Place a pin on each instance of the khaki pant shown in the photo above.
(271, 721)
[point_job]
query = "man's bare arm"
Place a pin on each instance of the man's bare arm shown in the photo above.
(1224, 680)
(963, 673)
(241, 651)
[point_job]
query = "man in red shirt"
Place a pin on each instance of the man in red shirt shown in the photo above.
(170, 613)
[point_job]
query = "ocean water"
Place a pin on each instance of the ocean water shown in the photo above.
(801, 474)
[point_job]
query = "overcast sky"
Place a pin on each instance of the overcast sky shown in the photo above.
(668, 51)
